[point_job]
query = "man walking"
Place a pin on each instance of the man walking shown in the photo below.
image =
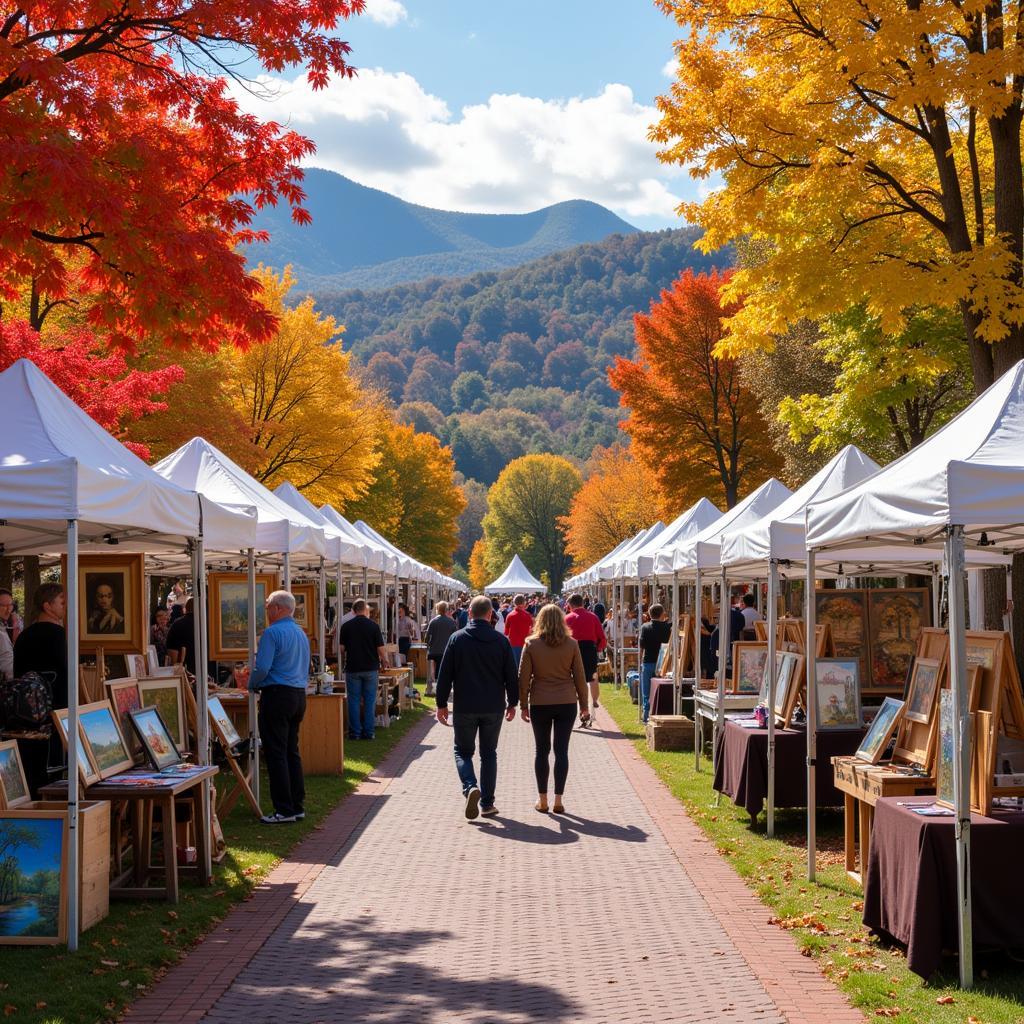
(518, 626)
(652, 635)
(362, 646)
(280, 675)
(588, 631)
(439, 632)
(478, 665)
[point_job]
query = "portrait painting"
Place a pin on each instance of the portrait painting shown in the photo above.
(883, 725)
(748, 666)
(157, 743)
(838, 693)
(111, 603)
(166, 695)
(13, 787)
(895, 619)
(224, 727)
(32, 900)
(229, 612)
(924, 683)
(845, 612)
(103, 738)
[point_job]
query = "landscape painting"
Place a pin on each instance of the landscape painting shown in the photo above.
(124, 695)
(165, 694)
(13, 787)
(896, 618)
(229, 613)
(846, 613)
(32, 877)
(749, 661)
(838, 693)
(104, 739)
(155, 739)
(883, 725)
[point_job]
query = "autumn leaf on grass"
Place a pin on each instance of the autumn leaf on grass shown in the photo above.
(887, 1011)
(10, 1010)
(945, 1000)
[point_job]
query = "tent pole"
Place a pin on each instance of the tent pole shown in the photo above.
(773, 586)
(254, 727)
(936, 596)
(723, 659)
(321, 626)
(698, 594)
(810, 652)
(202, 695)
(337, 621)
(677, 669)
(961, 749)
(71, 599)
(286, 583)
(366, 585)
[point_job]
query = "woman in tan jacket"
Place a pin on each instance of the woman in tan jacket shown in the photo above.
(551, 684)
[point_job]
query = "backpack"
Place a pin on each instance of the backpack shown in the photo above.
(26, 702)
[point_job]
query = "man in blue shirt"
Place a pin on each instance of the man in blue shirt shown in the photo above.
(280, 675)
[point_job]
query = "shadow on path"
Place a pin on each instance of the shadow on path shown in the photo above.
(571, 827)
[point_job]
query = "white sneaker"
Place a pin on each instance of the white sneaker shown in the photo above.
(473, 804)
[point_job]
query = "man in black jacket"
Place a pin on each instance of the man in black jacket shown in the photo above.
(478, 663)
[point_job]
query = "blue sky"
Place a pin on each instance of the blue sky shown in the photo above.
(496, 107)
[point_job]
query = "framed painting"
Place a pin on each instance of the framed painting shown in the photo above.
(837, 687)
(763, 694)
(103, 739)
(305, 607)
(111, 603)
(157, 744)
(882, 727)
(222, 724)
(14, 789)
(137, 665)
(125, 698)
(166, 695)
(664, 663)
(944, 759)
(86, 766)
(787, 687)
(152, 660)
(895, 620)
(845, 612)
(748, 666)
(229, 612)
(34, 909)
(924, 684)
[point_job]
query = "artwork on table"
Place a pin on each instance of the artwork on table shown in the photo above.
(14, 789)
(103, 738)
(157, 743)
(86, 766)
(944, 767)
(748, 666)
(222, 724)
(883, 725)
(837, 688)
(788, 684)
(124, 695)
(152, 660)
(981, 654)
(166, 695)
(895, 620)
(924, 683)
(33, 883)
(305, 607)
(845, 612)
(664, 662)
(111, 602)
(229, 612)
(137, 665)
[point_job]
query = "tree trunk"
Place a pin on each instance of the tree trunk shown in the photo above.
(30, 567)
(6, 573)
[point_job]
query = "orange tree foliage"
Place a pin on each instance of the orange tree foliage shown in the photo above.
(618, 499)
(99, 381)
(127, 171)
(479, 574)
(691, 420)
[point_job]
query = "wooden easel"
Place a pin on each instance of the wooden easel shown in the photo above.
(91, 680)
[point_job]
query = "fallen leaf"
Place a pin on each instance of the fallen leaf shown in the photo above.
(945, 1000)
(40, 1005)
(172, 914)
(109, 963)
(887, 1011)
(10, 1010)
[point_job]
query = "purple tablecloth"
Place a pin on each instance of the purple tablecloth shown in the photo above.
(741, 766)
(661, 697)
(910, 895)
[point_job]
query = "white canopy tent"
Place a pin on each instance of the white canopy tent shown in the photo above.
(962, 488)
(639, 563)
(589, 575)
(378, 557)
(516, 579)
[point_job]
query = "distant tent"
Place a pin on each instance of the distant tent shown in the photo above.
(516, 577)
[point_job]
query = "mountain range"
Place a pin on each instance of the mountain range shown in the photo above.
(363, 238)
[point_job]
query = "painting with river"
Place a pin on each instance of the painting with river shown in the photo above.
(31, 876)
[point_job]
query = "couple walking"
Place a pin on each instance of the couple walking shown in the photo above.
(479, 666)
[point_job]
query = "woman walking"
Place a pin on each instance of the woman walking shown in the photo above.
(552, 683)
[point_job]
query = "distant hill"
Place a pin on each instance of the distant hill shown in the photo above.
(363, 238)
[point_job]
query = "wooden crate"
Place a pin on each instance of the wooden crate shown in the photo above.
(322, 735)
(669, 732)
(93, 856)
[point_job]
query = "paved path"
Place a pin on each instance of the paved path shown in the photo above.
(400, 911)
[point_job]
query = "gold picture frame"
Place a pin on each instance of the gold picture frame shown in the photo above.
(165, 693)
(305, 595)
(102, 734)
(111, 603)
(229, 612)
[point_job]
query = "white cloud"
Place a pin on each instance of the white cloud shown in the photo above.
(670, 67)
(511, 154)
(386, 12)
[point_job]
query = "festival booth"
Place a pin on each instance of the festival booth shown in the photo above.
(516, 579)
(957, 496)
(67, 487)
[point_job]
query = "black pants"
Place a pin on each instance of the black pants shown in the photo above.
(545, 719)
(281, 711)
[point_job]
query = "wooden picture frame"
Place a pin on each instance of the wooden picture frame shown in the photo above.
(925, 681)
(664, 663)
(102, 735)
(152, 660)
(837, 688)
(157, 744)
(164, 692)
(686, 638)
(761, 630)
(87, 770)
(222, 724)
(748, 666)
(895, 620)
(111, 603)
(306, 609)
(136, 665)
(789, 687)
(845, 612)
(881, 730)
(229, 612)
(124, 698)
(45, 856)
(14, 789)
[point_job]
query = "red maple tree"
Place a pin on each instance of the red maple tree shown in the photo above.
(129, 175)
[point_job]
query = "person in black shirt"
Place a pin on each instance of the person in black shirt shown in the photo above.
(362, 646)
(43, 648)
(181, 639)
(652, 635)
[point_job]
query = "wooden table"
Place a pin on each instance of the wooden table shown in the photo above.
(418, 660)
(863, 785)
(143, 800)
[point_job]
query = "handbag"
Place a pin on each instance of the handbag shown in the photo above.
(26, 702)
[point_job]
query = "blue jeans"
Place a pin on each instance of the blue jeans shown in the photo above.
(517, 653)
(646, 675)
(466, 728)
(361, 686)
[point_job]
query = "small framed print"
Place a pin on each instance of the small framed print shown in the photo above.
(305, 607)
(924, 684)
(14, 789)
(125, 697)
(837, 687)
(157, 743)
(165, 694)
(881, 730)
(103, 738)
(222, 724)
(748, 666)
(87, 769)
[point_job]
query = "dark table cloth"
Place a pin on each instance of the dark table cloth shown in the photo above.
(661, 695)
(910, 895)
(741, 766)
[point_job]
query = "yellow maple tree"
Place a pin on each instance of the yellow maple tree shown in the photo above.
(479, 574)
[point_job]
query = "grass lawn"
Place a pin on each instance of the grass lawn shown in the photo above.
(824, 917)
(121, 956)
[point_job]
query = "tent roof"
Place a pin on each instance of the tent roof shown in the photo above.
(341, 547)
(969, 473)
(378, 557)
(408, 567)
(639, 563)
(516, 577)
(704, 551)
(280, 528)
(606, 569)
(57, 463)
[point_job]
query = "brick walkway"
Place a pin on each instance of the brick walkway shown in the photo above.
(399, 911)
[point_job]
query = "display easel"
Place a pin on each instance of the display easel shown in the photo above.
(91, 679)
